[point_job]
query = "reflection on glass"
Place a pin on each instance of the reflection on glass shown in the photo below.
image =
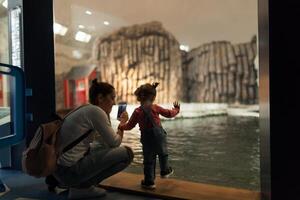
(10, 53)
(15, 29)
(4, 42)
(10, 34)
(5, 110)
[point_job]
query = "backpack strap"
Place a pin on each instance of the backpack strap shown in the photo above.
(79, 139)
(149, 116)
(73, 111)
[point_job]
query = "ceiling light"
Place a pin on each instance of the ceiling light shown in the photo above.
(106, 23)
(82, 37)
(81, 26)
(88, 12)
(184, 47)
(4, 3)
(76, 54)
(59, 29)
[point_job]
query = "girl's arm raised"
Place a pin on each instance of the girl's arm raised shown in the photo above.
(169, 113)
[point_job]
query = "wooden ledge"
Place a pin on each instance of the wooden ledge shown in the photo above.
(176, 189)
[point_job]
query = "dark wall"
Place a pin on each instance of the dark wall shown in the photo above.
(39, 60)
(284, 99)
(38, 66)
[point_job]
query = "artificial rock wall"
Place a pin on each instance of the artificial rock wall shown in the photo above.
(140, 54)
(217, 72)
(4, 46)
(221, 72)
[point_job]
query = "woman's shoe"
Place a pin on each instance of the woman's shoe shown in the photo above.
(83, 193)
(3, 188)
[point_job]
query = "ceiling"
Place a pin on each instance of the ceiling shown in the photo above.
(192, 22)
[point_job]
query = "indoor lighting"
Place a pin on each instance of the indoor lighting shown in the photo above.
(59, 29)
(82, 37)
(88, 12)
(81, 26)
(106, 23)
(184, 47)
(76, 54)
(4, 3)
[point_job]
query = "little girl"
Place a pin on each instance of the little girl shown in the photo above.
(153, 136)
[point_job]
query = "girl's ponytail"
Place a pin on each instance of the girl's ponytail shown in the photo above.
(154, 85)
(94, 81)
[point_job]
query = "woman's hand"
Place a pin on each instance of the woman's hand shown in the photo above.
(120, 133)
(176, 104)
(123, 117)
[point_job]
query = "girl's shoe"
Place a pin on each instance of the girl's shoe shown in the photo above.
(166, 174)
(149, 185)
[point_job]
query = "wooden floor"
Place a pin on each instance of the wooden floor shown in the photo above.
(177, 189)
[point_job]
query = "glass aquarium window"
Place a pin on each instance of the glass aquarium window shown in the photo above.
(203, 53)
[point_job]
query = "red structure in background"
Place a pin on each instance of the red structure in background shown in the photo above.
(76, 85)
(1, 91)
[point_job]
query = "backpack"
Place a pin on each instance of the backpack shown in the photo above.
(40, 158)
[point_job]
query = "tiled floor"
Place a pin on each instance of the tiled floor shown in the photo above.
(24, 187)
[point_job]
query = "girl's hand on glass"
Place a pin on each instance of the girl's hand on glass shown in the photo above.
(123, 117)
(176, 104)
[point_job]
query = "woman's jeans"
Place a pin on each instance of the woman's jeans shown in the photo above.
(154, 141)
(96, 166)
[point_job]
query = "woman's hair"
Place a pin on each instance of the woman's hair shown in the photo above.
(99, 88)
(146, 92)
